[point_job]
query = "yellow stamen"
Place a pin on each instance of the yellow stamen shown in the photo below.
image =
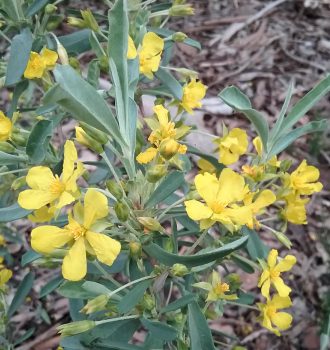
(57, 186)
(221, 288)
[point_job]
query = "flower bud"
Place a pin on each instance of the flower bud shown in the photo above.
(150, 224)
(97, 304)
(19, 139)
(74, 63)
(96, 134)
(18, 183)
(179, 270)
(90, 20)
(181, 10)
(50, 9)
(156, 173)
(135, 249)
(188, 73)
(122, 211)
(179, 37)
(169, 148)
(77, 327)
(62, 54)
(281, 237)
(148, 302)
(76, 22)
(7, 147)
(104, 64)
(114, 189)
(83, 138)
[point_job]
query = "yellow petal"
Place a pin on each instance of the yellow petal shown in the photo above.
(193, 93)
(43, 214)
(64, 199)
(286, 263)
(264, 276)
(282, 320)
(70, 156)
(257, 145)
(281, 302)
(206, 223)
(152, 44)
(197, 210)
(35, 67)
(231, 187)
(265, 288)
(264, 199)
(282, 289)
(227, 157)
(106, 249)
(49, 57)
(242, 140)
(238, 215)
(5, 276)
(162, 114)
(45, 239)
(272, 258)
(207, 186)
(74, 266)
(95, 207)
(131, 50)
(40, 178)
(5, 127)
(71, 184)
(35, 199)
(147, 156)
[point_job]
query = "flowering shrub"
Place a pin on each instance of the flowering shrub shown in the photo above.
(138, 244)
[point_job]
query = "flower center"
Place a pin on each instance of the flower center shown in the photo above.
(78, 231)
(57, 186)
(274, 274)
(217, 207)
(221, 288)
(271, 311)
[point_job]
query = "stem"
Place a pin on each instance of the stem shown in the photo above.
(116, 319)
(112, 169)
(131, 229)
(14, 171)
(170, 207)
(169, 294)
(106, 274)
(5, 36)
(203, 133)
(130, 284)
(197, 242)
(208, 303)
(159, 13)
(244, 305)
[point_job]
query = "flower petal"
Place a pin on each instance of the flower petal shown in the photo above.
(265, 288)
(281, 302)
(65, 199)
(74, 266)
(286, 263)
(147, 156)
(106, 249)
(152, 44)
(282, 320)
(207, 186)
(35, 199)
(282, 289)
(264, 199)
(231, 186)
(45, 239)
(162, 114)
(197, 210)
(272, 258)
(131, 49)
(70, 156)
(39, 178)
(95, 207)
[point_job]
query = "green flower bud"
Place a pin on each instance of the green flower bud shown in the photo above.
(7, 147)
(83, 138)
(104, 64)
(150, 224)
(97, 304)
(179, 37)
(19, 139)
(50, 9)
(18, 183)
(148, 302)
(74, 328)
(169, 148)
(90, 20)
(62, 54)
(76, 22)
(181, 10)
(96, 134)
(281, 237)
(179, 270)
(74, 63)
(114, 189)
(122, 211)
(135, 249)
(156, 173)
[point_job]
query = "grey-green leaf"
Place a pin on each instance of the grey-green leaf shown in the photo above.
(159, 329)
(179, 303)
(170, 82)
(12, 213)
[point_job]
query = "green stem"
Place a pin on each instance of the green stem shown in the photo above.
(131, 229)
(179, 201)
(159, 13)
(112, 169)
(197, 242)
(14, 171)
(116, 319)
(5, 36)
(106, 274)
(243, 305)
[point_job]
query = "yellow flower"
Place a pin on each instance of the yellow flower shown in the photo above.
(2, 240)
(6, 127)
(258, 202)
(303, 180)
(5, 274)
(149, 53)
(221, 198)
(216, 289)
(38, 64)
(193, 93)
(295, 211)
(258, 146)
(270, 315)
(163, 137)
(255, 172)
(271, 274)
(42, 214)
(232, 146)
(131, 50)
(49, 189)
(81, 235)
(205, 166)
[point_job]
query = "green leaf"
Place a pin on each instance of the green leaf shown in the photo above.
(161, 330)
(122, 330)
(170, 184)
(286, 140)
(117, 345)
(95, 288)
(12, 213)
(9, 159)
(76, 42)
(19, 89)
(36, 147)
(93, 73)
(79, 98)
(13, 9)
(170, 82)
(199, 331)
(50, 286)
(96, 46)
(36, 6)
(19, 56)
(133, 297)
(306, 103)
(243, 263)
(255, 246)
(214, 161)
(75, 290)
(179, 303)
(29, 257)
(22, 292)
(234, 98)
(169, 259)
(25, 336)
(245, 298)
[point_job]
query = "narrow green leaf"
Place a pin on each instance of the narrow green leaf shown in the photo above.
(19, 56)
(133, 297)
(199, 331)
(117, 345)
(9, 159)
(306, 103)
(25, 336)
(179, 303)
(161, 330)
(19, 89)
(95, 288)
(79, 98)
(29, 257)
(37, 144)
(234, 98)
(96, 46)
(50, 286)
(286, 140)
(36, 6)
(76, 42)
(169, 259)
(170, 184)
(22, 292)
(12, 213)
(214, 161)
(93, 73)
(75, 290)
(170, 82)
(255, 246)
